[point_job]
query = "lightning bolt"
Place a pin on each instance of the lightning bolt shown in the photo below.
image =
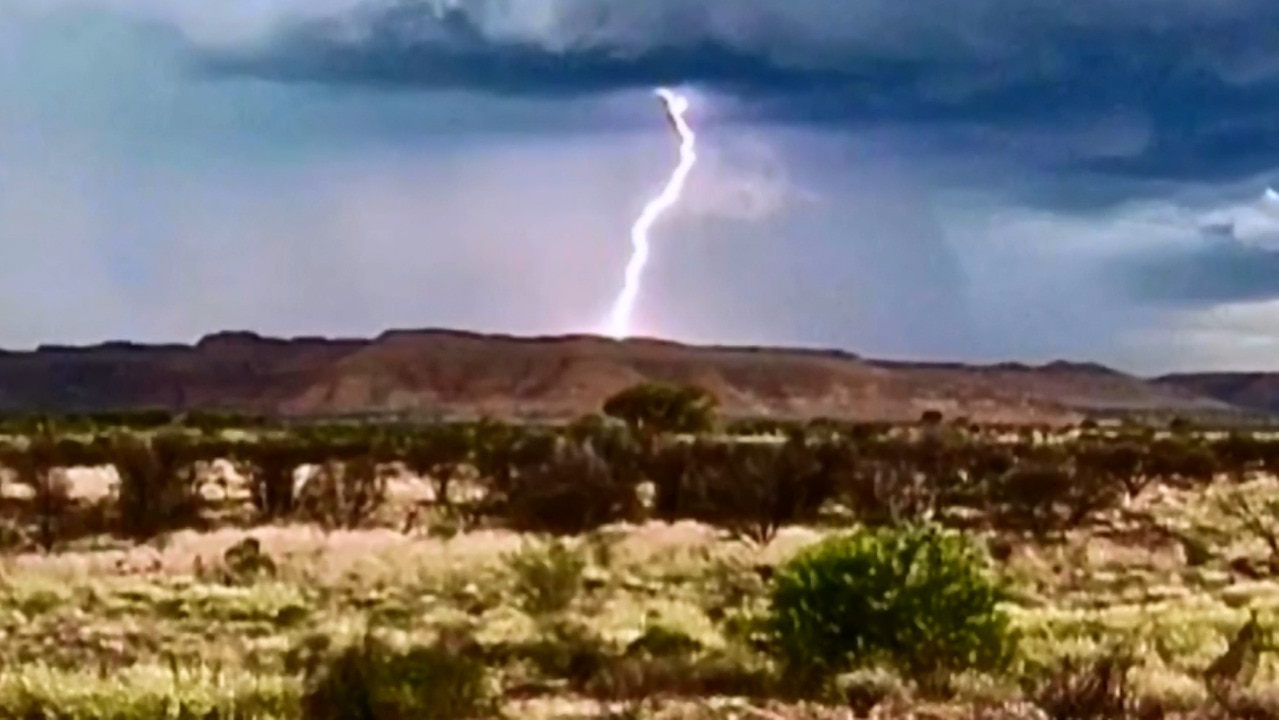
(676, 105)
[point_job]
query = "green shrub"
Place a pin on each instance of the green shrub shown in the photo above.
(565, 648)
(372, 681)
(547, 580)
(915, 598)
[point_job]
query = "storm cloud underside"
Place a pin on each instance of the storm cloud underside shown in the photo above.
(989, 178)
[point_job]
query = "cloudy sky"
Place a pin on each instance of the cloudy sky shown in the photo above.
(941, 179)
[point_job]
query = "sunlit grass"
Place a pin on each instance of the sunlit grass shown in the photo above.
(119, 632)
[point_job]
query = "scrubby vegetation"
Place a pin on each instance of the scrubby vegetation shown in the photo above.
(653, 561)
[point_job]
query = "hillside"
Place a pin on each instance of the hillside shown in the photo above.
(1258, 391)
(449, 373)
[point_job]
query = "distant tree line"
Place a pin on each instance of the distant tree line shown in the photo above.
(655, 452)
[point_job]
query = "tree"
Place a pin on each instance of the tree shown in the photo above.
(750, 489)
(1121, 463)
(1053, 488)
(157, 480)
(437, 456)
(40, 465)
(1181, 460)
(572, 486)
(655, 408)
(893, 482)
(344, 494)
(271, 463)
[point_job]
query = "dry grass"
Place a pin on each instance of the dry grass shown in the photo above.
(108, 625)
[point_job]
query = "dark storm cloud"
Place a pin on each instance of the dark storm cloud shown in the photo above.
(1220, 269)
(994, 179)
(1205, 76)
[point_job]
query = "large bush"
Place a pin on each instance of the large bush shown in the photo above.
(916, 598)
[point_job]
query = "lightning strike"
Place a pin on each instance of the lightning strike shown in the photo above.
(675, 106)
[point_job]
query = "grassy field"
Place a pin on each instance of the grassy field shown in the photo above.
(628, 621)
(649, 563)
